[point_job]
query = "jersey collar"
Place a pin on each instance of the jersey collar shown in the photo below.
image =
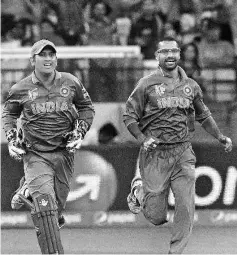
(35, 80)
(182, 73)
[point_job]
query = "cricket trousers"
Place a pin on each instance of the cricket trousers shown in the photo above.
(49, 173)
(169, 167)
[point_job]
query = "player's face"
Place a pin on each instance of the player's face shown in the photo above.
(45, 61)
(168, 55)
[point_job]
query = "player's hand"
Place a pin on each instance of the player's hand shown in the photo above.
(74, 143)
(76, 136)
(15, 151)
(150, 143)
(227, 143)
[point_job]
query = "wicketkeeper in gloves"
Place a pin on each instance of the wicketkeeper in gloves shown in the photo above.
(55, 114)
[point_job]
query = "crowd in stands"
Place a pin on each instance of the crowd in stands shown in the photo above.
(208, 24)
(205, 29)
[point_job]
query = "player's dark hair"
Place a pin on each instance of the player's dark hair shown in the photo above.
(168, 39)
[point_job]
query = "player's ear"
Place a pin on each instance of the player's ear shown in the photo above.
(32, 61)
(156, 55)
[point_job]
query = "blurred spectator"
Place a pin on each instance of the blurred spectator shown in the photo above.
(28, 36)
(147, 30)
(17, 33)
(123, 24)
(101, 30)
(52, 15)
(7, 23)
(213, 51)
(48, 32)
(216, 10)
(189, 60)
(70, 13)
(70, 35)
(36, 10)
(231, 5)
(7, 35)
(66, 16)
(188, 27)
(172, 29)
(173, 9)
(70, 25)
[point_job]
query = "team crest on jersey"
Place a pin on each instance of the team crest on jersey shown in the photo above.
(160, 90)
(187, 90)
(64, 91)
(33, 94)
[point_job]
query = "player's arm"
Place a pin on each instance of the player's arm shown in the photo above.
(204, 117)
(133, 113)
(83, 103)
(85, 109)
(11, 112)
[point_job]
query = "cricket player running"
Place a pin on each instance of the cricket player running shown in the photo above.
(55, 113)
(160, 114)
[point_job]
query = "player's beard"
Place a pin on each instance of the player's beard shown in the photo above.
(170, 66)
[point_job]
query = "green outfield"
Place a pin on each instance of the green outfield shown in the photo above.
(122, 240)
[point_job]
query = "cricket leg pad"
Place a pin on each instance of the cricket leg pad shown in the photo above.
(45, 219)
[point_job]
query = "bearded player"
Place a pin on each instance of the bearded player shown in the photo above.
(55, 113)
(160, 114)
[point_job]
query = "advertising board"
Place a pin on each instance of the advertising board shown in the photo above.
(101, 184)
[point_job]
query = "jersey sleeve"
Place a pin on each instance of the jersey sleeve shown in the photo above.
(12, 109)
(83, 103)
(135, 104)
(201, 110)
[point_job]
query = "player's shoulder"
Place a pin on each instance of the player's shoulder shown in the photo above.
(192, 83)
(69, 76)
(22, 84)
(195, 87)
(151, 79)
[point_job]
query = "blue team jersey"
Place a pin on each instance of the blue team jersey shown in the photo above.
(163, 107)
(47, 114)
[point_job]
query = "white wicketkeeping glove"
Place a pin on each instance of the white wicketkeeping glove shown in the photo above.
(74, 143)
(15, 150)
(76, 136)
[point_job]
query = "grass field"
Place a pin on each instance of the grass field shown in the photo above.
(205, 240)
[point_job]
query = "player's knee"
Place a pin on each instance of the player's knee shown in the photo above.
(191, 176)
(47, 191)
(155, 209)
(155, 219)
(44, 184)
